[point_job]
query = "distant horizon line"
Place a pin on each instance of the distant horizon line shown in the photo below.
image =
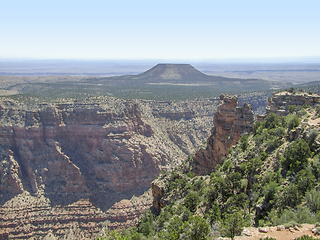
(169, 60)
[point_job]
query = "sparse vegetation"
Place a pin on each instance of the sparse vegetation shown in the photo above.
(268, 179)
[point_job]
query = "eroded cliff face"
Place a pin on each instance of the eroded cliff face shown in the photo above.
(230, 123)
(67, 149)
(280, 102)
(81, 159)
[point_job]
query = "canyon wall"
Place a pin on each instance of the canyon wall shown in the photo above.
(230, 123)
(74, 167)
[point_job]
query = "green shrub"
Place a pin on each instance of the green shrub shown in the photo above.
(294, 217)
(292, 108)
(293, 121)
(315, 166)
(272, 121)
(136, 236)
(181, 183)
(263, 155)
(226, 164)
(290, 197)
(304, 180)
(233, 181)
(175, 228)
(304, 215)
(257, 128)
(198, 229)
(215, 213)
(305, 237)
(191, 201)
(312, 136)
(211, 194)
(183, 212)
(232, 224)
(296, 155)
(163, 217)
(312, 198)
(287, 216)
(190, 174)
(198, 184)
(244, 142)
(270, 190)
(291, 90)
(146, 224)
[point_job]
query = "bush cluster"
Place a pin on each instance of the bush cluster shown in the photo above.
(266, 180)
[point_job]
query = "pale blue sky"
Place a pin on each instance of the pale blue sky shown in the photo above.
(194, 30)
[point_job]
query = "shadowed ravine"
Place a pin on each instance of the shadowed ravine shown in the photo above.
(74, 162)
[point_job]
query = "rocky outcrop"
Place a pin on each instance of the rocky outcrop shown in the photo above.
(97, 153)
(280, 102)
(230, 123)
(158, 189)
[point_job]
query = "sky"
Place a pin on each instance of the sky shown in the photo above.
(138, 29)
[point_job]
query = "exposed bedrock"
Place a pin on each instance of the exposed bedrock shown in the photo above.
(280, 102)
(94, 153)
(230, 123)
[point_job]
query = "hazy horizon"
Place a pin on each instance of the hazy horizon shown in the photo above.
(281, 60)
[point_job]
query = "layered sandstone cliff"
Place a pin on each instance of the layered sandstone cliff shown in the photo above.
(76, 162)
(230, 123)
(280, 102)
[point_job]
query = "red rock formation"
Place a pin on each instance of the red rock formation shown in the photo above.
(32, 216)
(93, 153)
(28, 216)
(230, 123)
(68, 153)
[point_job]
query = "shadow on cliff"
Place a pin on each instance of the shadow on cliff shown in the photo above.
(103, 200)
(6, 196)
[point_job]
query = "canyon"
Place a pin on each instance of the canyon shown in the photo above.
(77, 168)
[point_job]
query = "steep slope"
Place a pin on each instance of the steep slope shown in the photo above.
(269, 178)
(68, 164)
(230, 123)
